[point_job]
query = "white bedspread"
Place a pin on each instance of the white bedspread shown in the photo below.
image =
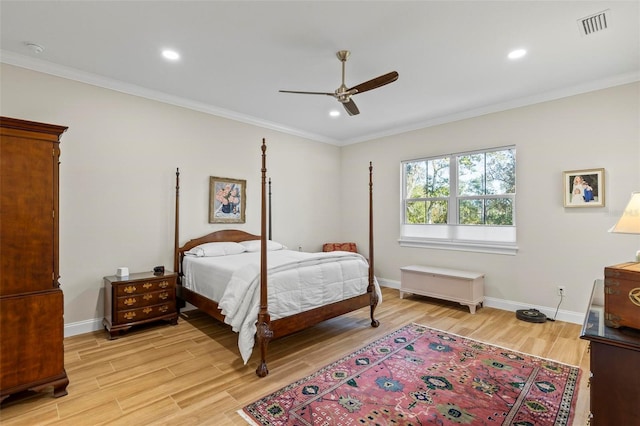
(297, 282)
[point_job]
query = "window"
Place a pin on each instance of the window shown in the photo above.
(462, 201)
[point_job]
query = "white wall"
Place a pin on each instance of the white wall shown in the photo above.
(118, 175)
(117, 179)
(557, 245)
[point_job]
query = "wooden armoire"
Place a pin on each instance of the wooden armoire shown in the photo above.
(31, 304)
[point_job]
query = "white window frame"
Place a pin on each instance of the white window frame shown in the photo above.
(453, 236)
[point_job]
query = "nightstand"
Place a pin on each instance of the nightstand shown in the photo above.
(137, 299)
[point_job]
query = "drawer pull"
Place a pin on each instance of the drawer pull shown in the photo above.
(164, 284)
(634, 296)
(147, 310)
(130, 301)
(130, 289)
(147, 296)
(129, 315)
(147, 286)
(163, 308)
(163, 296)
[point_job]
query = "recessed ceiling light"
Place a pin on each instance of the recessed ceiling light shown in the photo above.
(171, 55)
(517, 54)
(334, 113)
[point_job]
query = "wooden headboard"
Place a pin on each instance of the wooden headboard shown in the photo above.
(225, 235)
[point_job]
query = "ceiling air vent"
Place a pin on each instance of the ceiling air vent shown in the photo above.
(594, 23)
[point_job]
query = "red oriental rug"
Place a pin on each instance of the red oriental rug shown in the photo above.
(421, 376)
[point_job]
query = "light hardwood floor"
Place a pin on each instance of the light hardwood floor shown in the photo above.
(191, 373)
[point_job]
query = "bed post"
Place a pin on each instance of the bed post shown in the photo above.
(371, 287)
(270, 209)
(263, 332)
(176, 244)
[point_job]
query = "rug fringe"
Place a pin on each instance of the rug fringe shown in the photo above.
(497, 346)
(248, 419)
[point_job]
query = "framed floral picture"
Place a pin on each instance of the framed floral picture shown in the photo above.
(227, 200)
(584, 188)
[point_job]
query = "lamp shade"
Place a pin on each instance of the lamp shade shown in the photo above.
(629, 222)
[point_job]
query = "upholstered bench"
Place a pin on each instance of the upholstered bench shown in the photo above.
(464, 287)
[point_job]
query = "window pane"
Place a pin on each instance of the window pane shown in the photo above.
(499, 211)
(471, 212)
(416, 212)
(415, 179)
(438, 177)
(437, 211)
(501, 172)
(471, 175)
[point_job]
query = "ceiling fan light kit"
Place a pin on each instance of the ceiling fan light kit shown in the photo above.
(343, 94)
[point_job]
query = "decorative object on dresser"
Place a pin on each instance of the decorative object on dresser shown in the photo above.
(139, 298)
(622, 295)
(31, 301)
(614, 359)
(464, 287)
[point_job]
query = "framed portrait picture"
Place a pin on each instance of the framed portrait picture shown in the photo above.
(227, 200)
(584, 188)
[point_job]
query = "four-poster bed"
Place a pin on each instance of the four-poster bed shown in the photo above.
(349, 277)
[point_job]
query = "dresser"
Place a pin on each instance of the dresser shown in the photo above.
(614, 385)
(137, 299)
(31, 301)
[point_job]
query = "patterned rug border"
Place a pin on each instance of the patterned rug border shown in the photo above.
(491, 344)
(373, 343)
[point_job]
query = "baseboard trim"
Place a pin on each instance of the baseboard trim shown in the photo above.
(82, 327)
(88, 326)
(510, 305)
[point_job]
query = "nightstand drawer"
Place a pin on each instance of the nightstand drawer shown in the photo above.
(146, 299)
(146, 286)
(147, 312)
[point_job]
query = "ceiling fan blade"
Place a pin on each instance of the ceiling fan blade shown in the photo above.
(351, 107)
(375, 83)
(308, 93)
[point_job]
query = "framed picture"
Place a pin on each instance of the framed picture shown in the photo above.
(227, 200)
(584, 188)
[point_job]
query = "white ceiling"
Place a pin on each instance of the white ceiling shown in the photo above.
(236, 55)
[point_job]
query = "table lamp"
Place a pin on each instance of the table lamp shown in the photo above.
(629, 222)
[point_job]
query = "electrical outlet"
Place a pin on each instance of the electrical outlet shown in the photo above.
(562, 291)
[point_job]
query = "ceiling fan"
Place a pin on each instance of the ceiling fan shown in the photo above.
(344, 94)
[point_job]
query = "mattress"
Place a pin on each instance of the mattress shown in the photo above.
(297, 282)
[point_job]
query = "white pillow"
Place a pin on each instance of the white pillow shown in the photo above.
(254, 245)
(216, 249)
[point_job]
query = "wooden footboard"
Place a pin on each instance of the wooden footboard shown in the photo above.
(285, 326)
